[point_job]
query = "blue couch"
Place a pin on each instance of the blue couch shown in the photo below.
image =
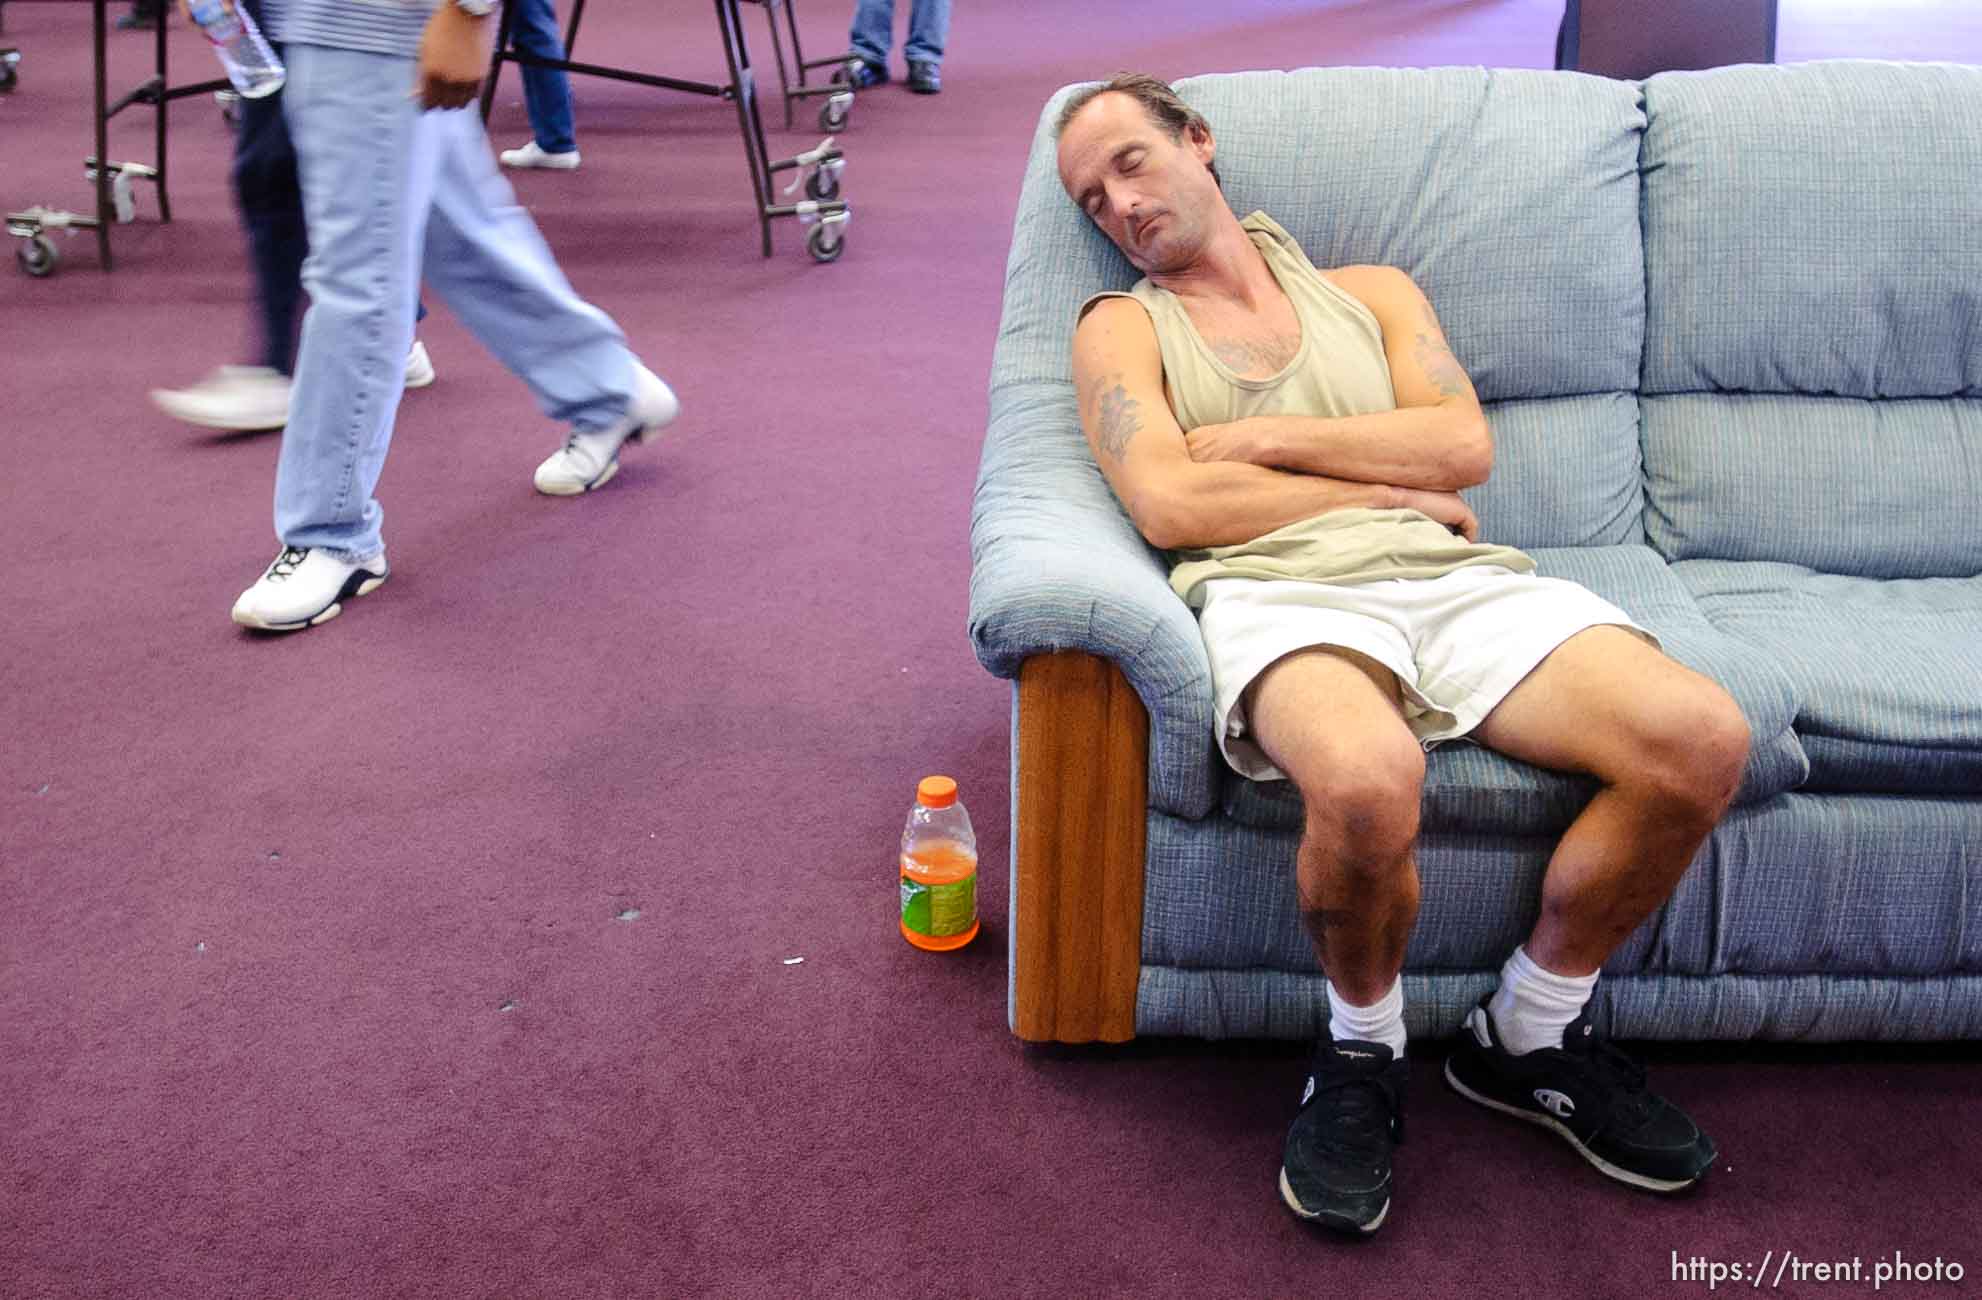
(1727, 327)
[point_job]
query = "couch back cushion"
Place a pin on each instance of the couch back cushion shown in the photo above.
(1813, 355)
(1510, 196)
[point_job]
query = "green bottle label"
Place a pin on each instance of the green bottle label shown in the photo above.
(939, 911)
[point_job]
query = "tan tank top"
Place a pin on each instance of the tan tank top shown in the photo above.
(1339, 370)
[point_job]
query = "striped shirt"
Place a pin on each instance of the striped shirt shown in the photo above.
(391, 27)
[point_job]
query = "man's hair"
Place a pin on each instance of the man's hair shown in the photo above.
(1165, 108)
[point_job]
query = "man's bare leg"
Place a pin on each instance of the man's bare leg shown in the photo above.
(1331, 720)
(1669, 747)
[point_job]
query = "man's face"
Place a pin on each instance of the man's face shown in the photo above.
(1146, 191)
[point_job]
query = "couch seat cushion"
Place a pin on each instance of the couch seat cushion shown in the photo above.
(1888, 672)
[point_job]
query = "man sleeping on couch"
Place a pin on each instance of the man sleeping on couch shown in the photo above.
(1297, 438)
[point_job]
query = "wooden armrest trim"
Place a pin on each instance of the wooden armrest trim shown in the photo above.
(1077, 859)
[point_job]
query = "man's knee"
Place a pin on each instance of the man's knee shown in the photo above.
(1696, 760)
(1362, 803)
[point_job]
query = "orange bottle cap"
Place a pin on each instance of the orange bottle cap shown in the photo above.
(936, 791)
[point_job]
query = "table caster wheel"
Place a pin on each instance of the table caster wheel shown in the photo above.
(825, 243)
(822, 187)
(38, 257)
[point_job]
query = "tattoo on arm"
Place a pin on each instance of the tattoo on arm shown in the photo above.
(1435, 357)
(1117, 416)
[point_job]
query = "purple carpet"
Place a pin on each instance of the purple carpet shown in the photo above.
(448, 950)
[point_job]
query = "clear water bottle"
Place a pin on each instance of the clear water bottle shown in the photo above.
(251, 65)
(939, 869)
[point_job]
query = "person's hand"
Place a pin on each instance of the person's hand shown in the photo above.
(453, 56)
(1233, 441)
(1446, 507)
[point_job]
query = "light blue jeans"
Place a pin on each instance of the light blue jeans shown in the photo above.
(391, 194)
(546, 91)
(874, 31)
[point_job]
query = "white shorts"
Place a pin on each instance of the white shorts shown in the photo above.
(1457, 643)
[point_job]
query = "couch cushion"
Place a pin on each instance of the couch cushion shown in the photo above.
(1799, 884)
(1860, 884)
(1470, 789)
(1568, 472)
(1880, 489)
(1888, 674)
(1810, 229)
(1467, 788)
(1510, 195)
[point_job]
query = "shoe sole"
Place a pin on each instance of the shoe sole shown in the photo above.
(1603, 1166)
(580, 489)
(365, 587)
(218, 424)
(1339, 1223)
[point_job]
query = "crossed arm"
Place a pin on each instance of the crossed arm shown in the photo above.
(1228, 483)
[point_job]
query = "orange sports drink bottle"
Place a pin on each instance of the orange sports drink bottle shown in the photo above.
(939, 869)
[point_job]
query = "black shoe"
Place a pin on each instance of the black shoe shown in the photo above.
(1336, 1168)
(137, 21)
(1589, 1092)
(922, 78)
(861, 74)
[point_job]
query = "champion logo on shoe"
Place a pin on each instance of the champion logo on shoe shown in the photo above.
(1555, 1103)
(1355, 1056)
(1309, 1092)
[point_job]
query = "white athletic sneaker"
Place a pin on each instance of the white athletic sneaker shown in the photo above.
(232, 398)
(589, 460)
(237, 399)
(419, 366)
(305, 587)
(532, 156)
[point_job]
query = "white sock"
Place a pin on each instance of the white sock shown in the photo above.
(1380, 1022)
(1533, 1006)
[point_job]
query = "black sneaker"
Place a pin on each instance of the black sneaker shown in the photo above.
(1589, 1092)
(1336, 1168)
(923, 78)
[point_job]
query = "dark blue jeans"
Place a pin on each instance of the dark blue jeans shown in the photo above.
(874, 30)
(546, 91)
(271, 201)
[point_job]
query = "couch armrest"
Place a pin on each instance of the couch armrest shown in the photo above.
(1080, 752)
(1057, 565)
